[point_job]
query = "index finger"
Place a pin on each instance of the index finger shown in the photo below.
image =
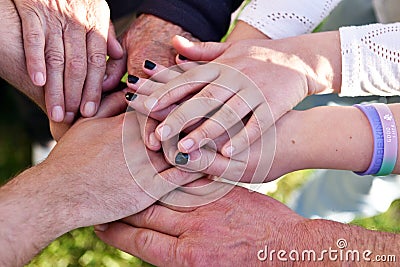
(185, 84)
(34, 43)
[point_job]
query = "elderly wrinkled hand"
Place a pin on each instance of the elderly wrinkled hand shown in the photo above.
(66, 44)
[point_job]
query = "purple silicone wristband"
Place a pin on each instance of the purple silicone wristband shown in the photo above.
(390, 139)
(377, 132)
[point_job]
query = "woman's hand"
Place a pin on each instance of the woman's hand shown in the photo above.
(261, 79)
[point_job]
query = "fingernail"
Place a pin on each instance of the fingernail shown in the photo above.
(153, 139)
(150, 103)
(101, 227)
(182, 158)
(181, 57)
(39, 79)
(164, 131)
(185, 42)
(89, 109)
(149, 65)
(57, 114)
(229, 150)
(187, 143)
(105, 77)
(132, 79)
(130, 96)
(69, 117)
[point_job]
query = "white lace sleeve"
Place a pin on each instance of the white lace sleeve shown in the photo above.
(285, 18)
(370, 60)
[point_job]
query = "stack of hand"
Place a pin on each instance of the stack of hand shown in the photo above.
(230, 116)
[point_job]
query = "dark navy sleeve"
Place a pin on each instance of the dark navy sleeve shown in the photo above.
(207, 20)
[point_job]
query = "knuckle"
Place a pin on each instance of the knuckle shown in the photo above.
(205, 160)
(208, 96)
(242, 139)
(238, 170)
(77, 67)
(149, 215)
(204, 131)
(97, 60)
(187, 255)
(254, 127)
(33, 38)
(179, 117)
(143, 239)
(227, 116)
(55, 59)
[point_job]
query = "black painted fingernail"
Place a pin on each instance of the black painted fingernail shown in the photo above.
(181, 57)
(130, 96)
(149, 65)
(132, 79)
(182, 158)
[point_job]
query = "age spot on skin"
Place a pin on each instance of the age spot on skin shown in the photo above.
(293, 142)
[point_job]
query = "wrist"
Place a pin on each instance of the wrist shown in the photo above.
(154, 42)
(322, 56)
(244, 31)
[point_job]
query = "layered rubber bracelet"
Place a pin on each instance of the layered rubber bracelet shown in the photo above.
(384, 132)
(390, 139)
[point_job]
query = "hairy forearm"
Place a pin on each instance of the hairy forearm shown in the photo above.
(350, 244)
(31, 216)
(149, 37)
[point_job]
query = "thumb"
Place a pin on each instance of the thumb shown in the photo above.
(199, 51)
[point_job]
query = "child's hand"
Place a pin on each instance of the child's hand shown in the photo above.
(225, 97)
(244, 166)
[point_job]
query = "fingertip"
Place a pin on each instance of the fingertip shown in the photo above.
(89, 109)
(129, 96)
(101, 227)
(57, 114)
(182, 41)
(182, 158)
(163, 132)
(39, 79)
(228, 151)
(186, 145)
(149, 65)
(153, 143)
(132, 79)
(69, 117)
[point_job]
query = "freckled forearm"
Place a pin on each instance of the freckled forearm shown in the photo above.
(324, 138)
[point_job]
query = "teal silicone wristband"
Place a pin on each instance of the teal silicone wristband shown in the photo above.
(390, 139)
